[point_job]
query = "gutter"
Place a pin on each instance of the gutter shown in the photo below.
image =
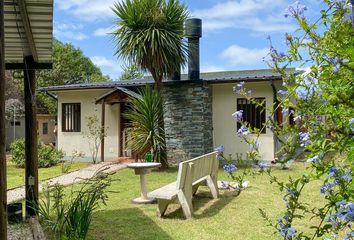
(51, 95)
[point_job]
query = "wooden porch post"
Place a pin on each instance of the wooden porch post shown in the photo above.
(103, 119)
(3, 185)
(30, 138)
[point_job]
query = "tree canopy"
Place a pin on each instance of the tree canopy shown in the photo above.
(131, 72)
(149, 33)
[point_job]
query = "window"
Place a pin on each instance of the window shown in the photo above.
(45, 128)
(253, 112)
(16, 123)
(71, 117)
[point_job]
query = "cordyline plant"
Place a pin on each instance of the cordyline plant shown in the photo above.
(321, 100)
(144, 130)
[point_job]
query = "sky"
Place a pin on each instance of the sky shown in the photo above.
(234, 31)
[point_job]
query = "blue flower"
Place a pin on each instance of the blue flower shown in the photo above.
(285, 231)
(230, 168)
(238, 115)
(262, 166)
(314, 159)
(304, 139)
(333, 171)
(344, 215)
(327, 187)
(295, 10)
(239, 87)
(220, 149)
(347, 176)
(243, 132)
(341, 203)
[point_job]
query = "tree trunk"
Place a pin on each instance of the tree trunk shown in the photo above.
(163, 152)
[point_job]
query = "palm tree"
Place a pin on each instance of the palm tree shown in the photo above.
(149, 33)
(143, 117)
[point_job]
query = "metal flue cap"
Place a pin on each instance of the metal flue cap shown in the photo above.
(193, 27)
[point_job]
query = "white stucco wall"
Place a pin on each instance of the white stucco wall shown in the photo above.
(70, 141)
(225, 127)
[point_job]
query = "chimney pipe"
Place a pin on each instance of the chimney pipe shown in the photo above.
(193, 28)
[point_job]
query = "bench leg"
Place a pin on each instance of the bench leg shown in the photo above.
(195, 189)
(186, 204)
(213, 187)
(162, 205)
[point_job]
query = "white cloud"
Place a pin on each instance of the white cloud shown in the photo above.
(101, 32)
(255, 15)
(69, 31)
(238, 55)
(87, 10)
(102, 61)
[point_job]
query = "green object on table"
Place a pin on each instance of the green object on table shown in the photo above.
(149, 157)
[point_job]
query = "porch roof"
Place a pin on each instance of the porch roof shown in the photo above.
(116, 91)
(28, 27)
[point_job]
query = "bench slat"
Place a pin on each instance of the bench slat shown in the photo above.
(166, 192)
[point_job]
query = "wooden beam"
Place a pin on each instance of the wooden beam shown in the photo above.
(34, 65)
(103, 119)
(121, 130)
(28, 30)
(3, 185)
(31, 154)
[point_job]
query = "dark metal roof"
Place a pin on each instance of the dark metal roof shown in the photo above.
(212, 77)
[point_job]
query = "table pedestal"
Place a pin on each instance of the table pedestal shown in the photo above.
(143, 192)
(143, 169)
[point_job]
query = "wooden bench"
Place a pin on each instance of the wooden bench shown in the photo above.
(191, 174)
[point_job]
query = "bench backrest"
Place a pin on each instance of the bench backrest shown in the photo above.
(198, 168)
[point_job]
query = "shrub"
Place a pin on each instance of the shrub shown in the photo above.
(47, 155)
(68, 214)
(17, 149)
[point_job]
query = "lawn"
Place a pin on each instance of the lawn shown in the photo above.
(229, 217)
(16, 176)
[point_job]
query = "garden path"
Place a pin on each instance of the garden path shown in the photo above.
(16, 194)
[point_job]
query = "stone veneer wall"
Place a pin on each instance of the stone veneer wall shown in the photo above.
(188, 120)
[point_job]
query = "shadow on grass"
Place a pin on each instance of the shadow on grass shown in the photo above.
(128, 223)
(204, 206)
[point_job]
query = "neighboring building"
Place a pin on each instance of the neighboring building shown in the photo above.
(46, 127)
(15, 129)
(197, 113)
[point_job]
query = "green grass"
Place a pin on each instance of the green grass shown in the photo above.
(229, 217)
(16, 176)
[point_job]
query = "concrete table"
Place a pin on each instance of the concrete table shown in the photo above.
(142, 169)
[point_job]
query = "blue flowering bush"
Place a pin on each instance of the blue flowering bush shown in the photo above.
(237, 174)
(320, 101)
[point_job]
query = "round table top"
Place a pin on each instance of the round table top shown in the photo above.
(143, 165)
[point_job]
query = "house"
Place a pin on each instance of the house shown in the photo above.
(198, 109)
(197, 113)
